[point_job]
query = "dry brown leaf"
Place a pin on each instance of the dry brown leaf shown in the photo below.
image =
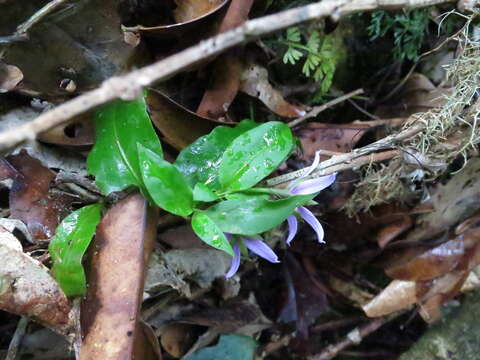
(391, 231)
(332, 137)
(224, 86)
(177, 339)
(118, 257)
(430, 277)
(26, 287)
(182, 237)
(418, 95)
(189, 10)
(179, 126)
(429, 264)
(397, 296)
(79, 49)
(227, 68)
(10, 77)
(254, 82)
(195, 18)
(147, 346)
(78, 133)
(33, 201)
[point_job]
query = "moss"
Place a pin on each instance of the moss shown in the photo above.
(450, 131)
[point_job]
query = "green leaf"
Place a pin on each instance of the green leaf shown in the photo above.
(165, 183)
(71, 240)
(210, 233)
(119, 126)
(293, 34)
(229, 347)
(255, 154)
(199, 162)
(254, 214)
(292, 55)
(201, 192)
(313, 42)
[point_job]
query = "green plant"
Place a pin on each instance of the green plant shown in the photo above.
(407, 27)
(320, 57)
(213, 183)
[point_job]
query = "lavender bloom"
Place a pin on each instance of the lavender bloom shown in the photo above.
(307, 187)
(256, 246)
(235, 262)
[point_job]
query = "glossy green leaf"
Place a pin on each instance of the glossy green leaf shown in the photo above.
(210, 233)
(254, 214)
(229, 347)
(201, 192)
(119, 126)
(71, 240)
(254, 154)
(199, 161)
(165, 183)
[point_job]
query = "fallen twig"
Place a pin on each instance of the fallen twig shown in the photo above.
(318, 109)
(346, 161)
(354, 337)
(129, 86)
(17, 338)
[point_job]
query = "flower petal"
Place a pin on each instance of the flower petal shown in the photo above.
(292, 228)
(261, 249)
(308, 216)
(314, 165)
(313, 186)
(235, 262)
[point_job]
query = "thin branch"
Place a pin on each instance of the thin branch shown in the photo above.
(318, 109)
(129, 86)
(354, 337)
(17, 338)
(347, 160)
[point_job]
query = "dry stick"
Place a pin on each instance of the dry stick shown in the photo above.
(17, 338)
(129, 86)
(353, 337)
(347, 161)
(318, 109)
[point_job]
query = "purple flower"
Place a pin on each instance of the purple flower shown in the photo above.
(308, 187)
(254, 245)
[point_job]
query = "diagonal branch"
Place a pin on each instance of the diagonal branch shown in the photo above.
(129, 86)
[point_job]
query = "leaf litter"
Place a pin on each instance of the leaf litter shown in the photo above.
(157, 288)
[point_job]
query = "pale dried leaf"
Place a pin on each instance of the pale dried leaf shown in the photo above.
(10, 76)
(26, 287)
(398, 295)
(254, 82)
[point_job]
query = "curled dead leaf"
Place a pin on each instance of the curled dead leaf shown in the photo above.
(178, 125)
(176, 339)
(10, 77)
(254, 82)
(227, 68)
(33, 201)
(78, 133)
(26, 287)
(192, 17)
(118, 256)
(397, 296)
